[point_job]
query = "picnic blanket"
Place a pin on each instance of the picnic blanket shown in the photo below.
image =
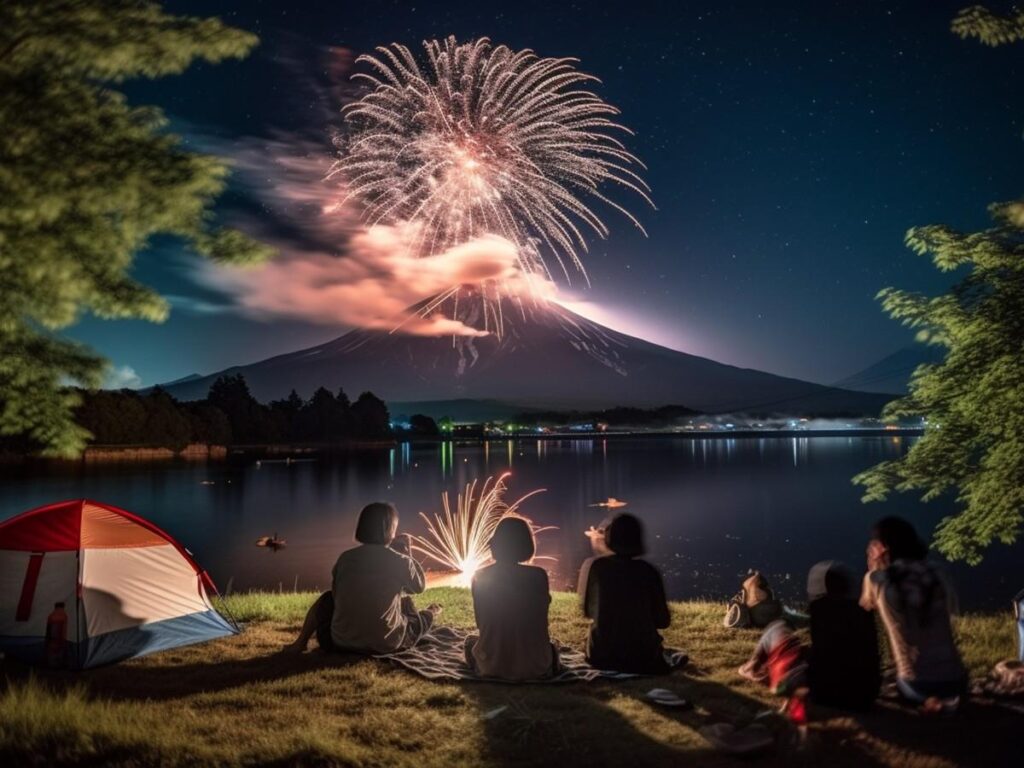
(439, 655)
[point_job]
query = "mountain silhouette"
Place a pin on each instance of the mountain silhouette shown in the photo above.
(545, 356)
(891, 374)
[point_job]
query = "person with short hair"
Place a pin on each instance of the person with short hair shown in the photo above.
(625, 598)
(914, 601)
(368, 609)
(510, 602)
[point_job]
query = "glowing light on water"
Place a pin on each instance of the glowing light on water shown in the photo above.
(457, 540)
(482, 140)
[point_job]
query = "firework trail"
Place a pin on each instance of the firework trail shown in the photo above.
(459, 540)
(482, 140)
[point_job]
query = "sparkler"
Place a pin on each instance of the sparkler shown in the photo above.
(483, 140)
(459, 540)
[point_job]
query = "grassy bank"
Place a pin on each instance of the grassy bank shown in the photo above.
(237, 702)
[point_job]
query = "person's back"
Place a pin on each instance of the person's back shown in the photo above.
(625, 598)
(365, 610)
(626, 601)
(843, 660)
(913, 600)
(511, 605)
(369, 581)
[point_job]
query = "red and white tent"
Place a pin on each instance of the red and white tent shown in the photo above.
(128, 588)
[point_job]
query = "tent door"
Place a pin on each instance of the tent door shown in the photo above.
(28, 587)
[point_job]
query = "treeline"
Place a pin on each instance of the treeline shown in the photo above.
(229, 415)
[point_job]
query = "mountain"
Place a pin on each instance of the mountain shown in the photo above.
(546, 356)
(462, 410)
(891, 374)
(184, 379)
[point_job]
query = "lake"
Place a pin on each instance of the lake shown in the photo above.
(714, 507)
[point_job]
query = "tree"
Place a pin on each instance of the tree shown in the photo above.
(322, 416)
(166, 422)
(974, 400)
(286, 415)
(87, 181)
(113, 418)
(370, 416)
(209, 424)
(989, 28)
(422, 425)
(346, 425)
(247, 417)
(290, 407)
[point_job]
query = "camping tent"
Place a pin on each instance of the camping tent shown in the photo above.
(129, 588)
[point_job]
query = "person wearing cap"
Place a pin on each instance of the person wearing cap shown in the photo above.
(843, 663)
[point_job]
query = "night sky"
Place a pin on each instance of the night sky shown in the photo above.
(789, 145)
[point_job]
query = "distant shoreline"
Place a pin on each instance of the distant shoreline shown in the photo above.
(686, 434)
(115, 454)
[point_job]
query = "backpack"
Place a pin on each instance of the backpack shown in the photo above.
(753, 606)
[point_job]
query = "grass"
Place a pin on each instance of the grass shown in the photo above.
(236, 702)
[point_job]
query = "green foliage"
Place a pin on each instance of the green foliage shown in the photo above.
(973, 401)
(229, 416)
(86, 180)
(370, 416)
(325, 417)
(989, 28)
(154, 419)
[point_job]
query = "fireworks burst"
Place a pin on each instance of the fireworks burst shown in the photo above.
(459, 540)
(483, 140)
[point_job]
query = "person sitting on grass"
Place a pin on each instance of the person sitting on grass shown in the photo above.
(368, 609)
(779, 660)
(843, 663)
(625, 599)
(841, 667)
(915, 602)
(510, 601)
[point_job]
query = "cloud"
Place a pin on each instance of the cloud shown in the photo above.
(330, 268)
(373, 284)
(122, 377)
(197, 306)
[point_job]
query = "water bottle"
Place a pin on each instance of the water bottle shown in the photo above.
(56, 636)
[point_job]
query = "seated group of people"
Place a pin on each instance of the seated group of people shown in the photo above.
(369, 610)
(841, 667)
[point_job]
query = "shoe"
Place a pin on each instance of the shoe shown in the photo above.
(750, 671)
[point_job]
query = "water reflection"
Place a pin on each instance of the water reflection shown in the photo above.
(713, 507)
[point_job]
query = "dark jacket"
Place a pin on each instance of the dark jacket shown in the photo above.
(844, 662)
(626, 600)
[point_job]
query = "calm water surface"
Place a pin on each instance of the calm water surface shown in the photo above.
(713, 507)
